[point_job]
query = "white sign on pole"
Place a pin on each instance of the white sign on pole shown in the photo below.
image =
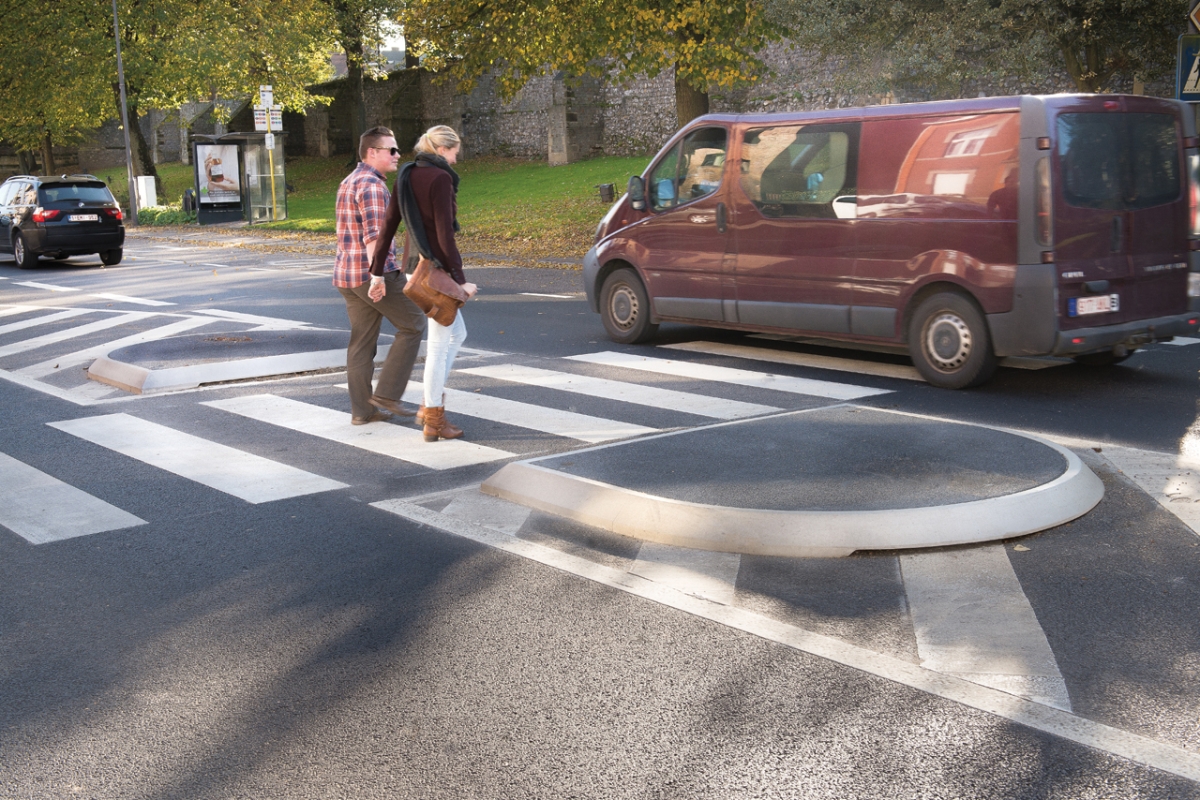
(276, 118)
(266, 95)
(260, 118)
(269, 140)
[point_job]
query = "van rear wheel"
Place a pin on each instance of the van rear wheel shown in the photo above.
(21, 254)
(949, 342)
(625, 308)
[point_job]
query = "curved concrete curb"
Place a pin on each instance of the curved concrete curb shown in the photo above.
(800, 533)
(141, 380)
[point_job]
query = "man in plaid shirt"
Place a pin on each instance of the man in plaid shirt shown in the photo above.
(362, 200)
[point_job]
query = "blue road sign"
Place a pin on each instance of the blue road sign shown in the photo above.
(1187, 76)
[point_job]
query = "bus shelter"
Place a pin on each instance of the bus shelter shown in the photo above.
(238, 177)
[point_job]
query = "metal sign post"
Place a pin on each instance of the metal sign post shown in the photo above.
(269, 117)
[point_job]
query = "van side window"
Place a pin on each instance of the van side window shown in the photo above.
(953, 167)
(690, 171)
(1118, 161)
(800, 170)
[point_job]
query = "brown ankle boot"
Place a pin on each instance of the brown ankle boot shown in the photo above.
(421, 411)
(436, 426)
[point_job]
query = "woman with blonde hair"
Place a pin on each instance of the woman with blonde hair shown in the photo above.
(425, 198)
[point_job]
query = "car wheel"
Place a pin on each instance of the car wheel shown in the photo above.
(949, 342)
(1106, 359)
(111, 257)
(21, 254)
(625, 308)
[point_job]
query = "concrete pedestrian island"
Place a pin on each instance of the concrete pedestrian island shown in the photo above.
(185, 362)
(816, 483)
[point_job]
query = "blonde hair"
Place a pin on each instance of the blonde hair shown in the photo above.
(435, 137)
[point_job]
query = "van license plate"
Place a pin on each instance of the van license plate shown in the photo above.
(84, 218)
(1081, 306)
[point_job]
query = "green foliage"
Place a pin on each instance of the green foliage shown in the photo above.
(945, 48)
(173, 177)
(505, 205)
(706, 43)
(165, 215)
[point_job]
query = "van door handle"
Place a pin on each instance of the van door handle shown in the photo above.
(721, 217)
(1117, 235)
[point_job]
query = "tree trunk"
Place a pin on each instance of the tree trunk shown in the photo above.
(690, 102)
(28, 162)
(354, 83)
(143, 163)
(48, 165)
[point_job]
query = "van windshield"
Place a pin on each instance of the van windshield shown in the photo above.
(1119, 162)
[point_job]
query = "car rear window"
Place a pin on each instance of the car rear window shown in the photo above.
(1119, 162)
(77, 192)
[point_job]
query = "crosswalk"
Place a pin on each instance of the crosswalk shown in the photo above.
(549, 423)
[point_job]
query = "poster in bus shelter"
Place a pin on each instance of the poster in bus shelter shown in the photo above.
(218, 170)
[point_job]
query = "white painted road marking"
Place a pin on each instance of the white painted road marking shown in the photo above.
(24, 324)
(900, 371)
(41, 508)
(140, 301)
(1123, 744)
(1172, 480)
(72, 333)
(701, 573)
(739, 377)
(52, 365)
(533, 417)
(264, 323)
(698, 404)
(1182, 341)
(252, 478)
(384, 438)
(47, 286)
(972, 620)
(9, 311)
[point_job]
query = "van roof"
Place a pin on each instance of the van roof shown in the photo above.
(973, 105)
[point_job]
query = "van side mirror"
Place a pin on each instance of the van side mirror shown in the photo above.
(637, 193)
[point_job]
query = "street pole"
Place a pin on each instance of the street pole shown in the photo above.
(133, 204)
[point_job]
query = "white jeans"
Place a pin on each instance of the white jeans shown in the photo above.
(441, 346)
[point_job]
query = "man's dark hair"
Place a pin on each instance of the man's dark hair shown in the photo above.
(372, 138)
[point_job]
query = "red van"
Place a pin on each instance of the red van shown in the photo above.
(966, 230)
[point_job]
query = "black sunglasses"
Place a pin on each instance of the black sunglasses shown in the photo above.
(392, 150)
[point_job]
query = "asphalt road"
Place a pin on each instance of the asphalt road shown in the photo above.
(381, 640)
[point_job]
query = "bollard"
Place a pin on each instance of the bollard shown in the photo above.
(607, 192)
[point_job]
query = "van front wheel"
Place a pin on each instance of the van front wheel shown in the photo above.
(949, 342)
(625, 308)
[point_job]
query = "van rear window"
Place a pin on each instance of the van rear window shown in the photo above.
(1118, 162)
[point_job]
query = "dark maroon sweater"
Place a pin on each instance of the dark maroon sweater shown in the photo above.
(434, 191)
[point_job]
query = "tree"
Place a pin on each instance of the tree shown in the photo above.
(50, 90)
(58, 75)
(360, 32)
(705, 43)
(944, 48)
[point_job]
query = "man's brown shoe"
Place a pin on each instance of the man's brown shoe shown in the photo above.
(377, 416)
(387, 404)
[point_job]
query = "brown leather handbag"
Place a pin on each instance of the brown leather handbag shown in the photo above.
(435, 292)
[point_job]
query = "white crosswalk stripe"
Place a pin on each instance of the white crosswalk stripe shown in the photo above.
(41, 508)
(72, 333)
(701, 405)
(49, 366)
(555, 421)
(395, 441)
(45, 319)
(252, 478)
(740, 377)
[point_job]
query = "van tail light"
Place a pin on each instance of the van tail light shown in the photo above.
(42, 215)
(1045, 223)
(115, 213)
(1193, 162)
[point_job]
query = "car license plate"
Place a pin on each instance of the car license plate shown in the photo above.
(1081, 306)
(84, 218)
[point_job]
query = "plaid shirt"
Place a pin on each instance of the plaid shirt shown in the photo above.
(362, 200)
